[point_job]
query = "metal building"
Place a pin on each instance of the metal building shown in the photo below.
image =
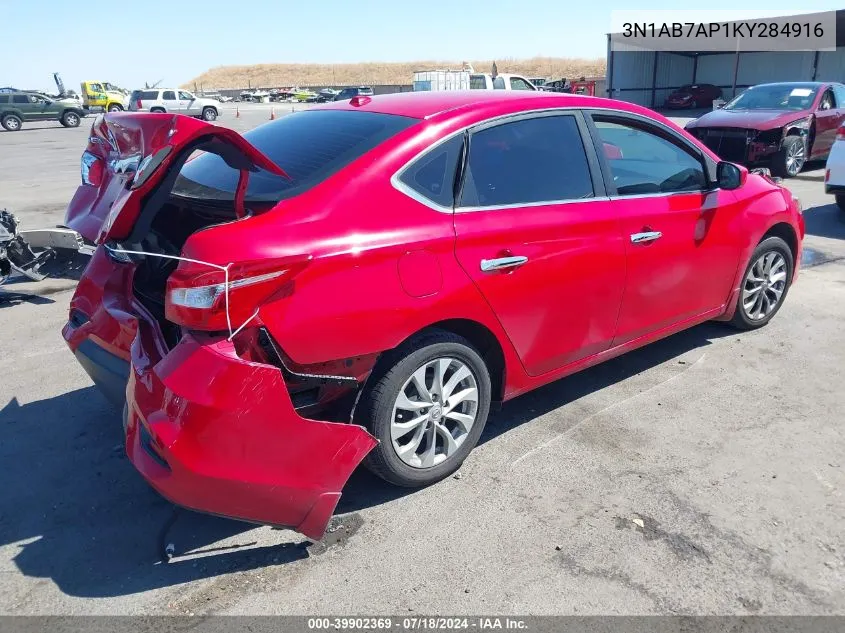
(648, 77)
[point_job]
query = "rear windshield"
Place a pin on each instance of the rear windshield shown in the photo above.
(309, 146)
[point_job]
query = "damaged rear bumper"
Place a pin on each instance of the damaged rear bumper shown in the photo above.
(211, 431)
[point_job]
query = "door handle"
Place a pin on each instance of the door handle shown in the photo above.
(648, 236)
(501, 263)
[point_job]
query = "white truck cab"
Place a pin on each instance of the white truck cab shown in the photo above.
(502, 81)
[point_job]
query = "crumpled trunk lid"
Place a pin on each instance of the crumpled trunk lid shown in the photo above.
(130, 155)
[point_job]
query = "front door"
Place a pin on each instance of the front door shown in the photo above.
(187, 103)
(539, 239)
(828, 119)
(682, 247)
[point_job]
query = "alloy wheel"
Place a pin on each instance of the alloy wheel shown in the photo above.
(13, 124)
(434, 412)
(764, 285)
(794, 158)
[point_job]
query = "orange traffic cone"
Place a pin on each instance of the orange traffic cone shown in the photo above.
(237, 113)
(272, 114)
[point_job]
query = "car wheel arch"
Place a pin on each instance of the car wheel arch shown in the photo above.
(480, 337)
(786, 232)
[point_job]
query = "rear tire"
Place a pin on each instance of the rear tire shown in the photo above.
(70, 119)
(764, 285)
(209, 114)
(425, 433)
(790, 159)
(840, 201)
(115, 107)
(11, 122)
(161, 110)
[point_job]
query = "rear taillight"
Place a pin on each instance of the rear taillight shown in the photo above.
(840, 133)
(826, 175)
(138, 104)
(197, 296)
(92, 169)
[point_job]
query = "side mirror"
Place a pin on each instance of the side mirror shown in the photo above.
(730, 176)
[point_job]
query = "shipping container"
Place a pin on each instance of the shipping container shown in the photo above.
(426, 80)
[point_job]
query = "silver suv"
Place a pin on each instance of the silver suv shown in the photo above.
(175, 101)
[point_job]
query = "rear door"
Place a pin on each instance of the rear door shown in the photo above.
(129, 155)
(539, 239)
(25, 104)
(169, 100)
(680, 233)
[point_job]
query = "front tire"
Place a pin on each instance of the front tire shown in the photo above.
(209, 114)
(427, 407)
(790, 159)
(70, 119)
(11, 122)
(765, 284)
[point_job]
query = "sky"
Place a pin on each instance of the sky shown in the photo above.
(129, 43)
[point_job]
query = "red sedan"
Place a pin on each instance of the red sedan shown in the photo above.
(365, 280)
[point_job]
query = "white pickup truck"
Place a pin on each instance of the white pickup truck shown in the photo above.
(434, 80)
(175, 101)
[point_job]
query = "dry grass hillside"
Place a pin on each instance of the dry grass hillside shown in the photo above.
(375, 73)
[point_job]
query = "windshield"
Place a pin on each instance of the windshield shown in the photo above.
(309, 146)
(775, 97)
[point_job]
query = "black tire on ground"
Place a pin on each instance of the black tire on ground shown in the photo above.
(157, 110)
(115, 107)
(11, 122)
(375, 409)
(209, 114)
(70, 119)
(741, 318)
(840, 201)
(781, 165)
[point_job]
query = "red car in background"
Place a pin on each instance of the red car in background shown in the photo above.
(365, 280)
(693, 96)
(779, 125)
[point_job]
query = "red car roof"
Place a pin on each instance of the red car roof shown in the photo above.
(421, 105)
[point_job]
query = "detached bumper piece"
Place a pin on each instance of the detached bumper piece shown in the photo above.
(217, 434)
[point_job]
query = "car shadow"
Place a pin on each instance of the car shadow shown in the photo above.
(825, 221)
(80, 515)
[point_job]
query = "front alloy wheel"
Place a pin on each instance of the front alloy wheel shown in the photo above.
(765, 284)
(426, 403)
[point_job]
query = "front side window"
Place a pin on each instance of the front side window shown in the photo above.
(96, 87)
(839, 93)
(169, 95)
(828, 101)
(534, 160)
(433, 174)
(187, 96)
(643, 161)
(518, 83)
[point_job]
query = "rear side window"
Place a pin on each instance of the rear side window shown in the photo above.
(4, 98)
(541, 159)
(169, 95)
(309, 146)
(477, 82)
(644, 161)
(432, 175)
(20, 99)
